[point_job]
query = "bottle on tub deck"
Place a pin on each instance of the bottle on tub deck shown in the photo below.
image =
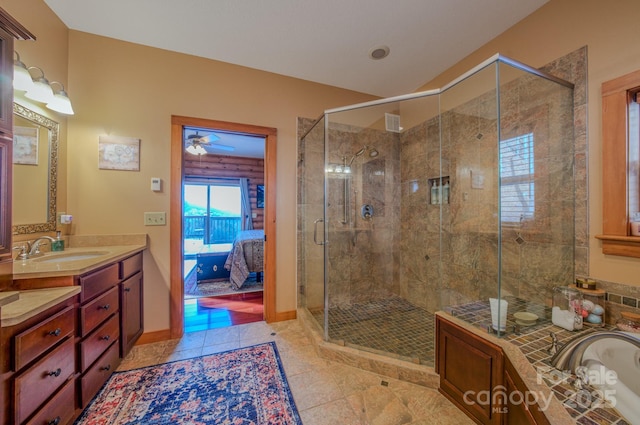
(58, 244)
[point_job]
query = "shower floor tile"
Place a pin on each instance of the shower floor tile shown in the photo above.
(391, 326)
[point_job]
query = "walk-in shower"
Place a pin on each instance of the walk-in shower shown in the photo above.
(472, 194)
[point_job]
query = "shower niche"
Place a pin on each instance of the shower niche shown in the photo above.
(449, 206)
(439, 190)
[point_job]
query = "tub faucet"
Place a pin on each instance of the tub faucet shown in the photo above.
(33, 248)
(569, 357)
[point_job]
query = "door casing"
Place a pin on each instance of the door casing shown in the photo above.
(176, 292)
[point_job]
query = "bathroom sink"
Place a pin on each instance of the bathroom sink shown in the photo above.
(70, 256)
(623, 358)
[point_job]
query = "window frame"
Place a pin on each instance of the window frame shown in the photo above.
(616, 98)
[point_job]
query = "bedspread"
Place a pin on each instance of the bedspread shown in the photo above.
(246, 256)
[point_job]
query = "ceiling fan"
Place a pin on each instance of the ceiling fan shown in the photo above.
(195, 143)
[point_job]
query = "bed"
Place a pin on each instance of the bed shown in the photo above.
(246, 256)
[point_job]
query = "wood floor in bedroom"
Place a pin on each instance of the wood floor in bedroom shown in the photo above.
(216, 312)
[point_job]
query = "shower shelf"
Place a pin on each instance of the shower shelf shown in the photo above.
(439, 190)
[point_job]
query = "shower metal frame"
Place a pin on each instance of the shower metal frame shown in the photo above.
(495, 59)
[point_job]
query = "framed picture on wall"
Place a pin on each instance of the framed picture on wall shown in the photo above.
(260, 199)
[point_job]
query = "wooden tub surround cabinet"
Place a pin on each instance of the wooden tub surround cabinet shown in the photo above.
(478, 376)
(56, 355)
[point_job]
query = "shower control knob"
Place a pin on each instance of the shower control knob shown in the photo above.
(366, 211)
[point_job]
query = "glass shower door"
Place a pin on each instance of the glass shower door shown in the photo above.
(311, 222)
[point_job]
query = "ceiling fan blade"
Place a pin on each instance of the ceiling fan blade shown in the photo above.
(222, 147)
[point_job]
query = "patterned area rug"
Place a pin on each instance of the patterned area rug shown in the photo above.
(245, 386)
(192, 289)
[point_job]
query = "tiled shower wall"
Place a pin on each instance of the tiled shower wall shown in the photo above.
(537, 254)
(398, 252)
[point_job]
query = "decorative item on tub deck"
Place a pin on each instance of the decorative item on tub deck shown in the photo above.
(593, 306)
(498, 309)
(567, 308)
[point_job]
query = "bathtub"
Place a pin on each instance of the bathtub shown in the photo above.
(616, 366)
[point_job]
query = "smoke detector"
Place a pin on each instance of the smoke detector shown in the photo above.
(379, 52)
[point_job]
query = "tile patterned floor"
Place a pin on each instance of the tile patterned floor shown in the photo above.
(391, 326)
(325, 392)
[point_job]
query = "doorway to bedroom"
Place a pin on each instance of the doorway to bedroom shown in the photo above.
(224, 206)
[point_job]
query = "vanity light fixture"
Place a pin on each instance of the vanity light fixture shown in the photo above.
(60, 102)
(21, 78)
(41, 90)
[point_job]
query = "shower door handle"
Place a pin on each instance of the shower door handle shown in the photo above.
(315, 231)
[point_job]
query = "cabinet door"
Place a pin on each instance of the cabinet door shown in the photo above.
(517, 411)
(471, 371)
(131, 313)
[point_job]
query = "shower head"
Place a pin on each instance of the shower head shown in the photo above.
(373, 152)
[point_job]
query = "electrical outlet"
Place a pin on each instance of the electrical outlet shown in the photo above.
(155, 218)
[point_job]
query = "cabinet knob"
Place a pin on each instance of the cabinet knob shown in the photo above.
(56, 332)
(55, 373)
(106, 368)
(54, 421)
(127, 289)
(104, 307)
(105, 338)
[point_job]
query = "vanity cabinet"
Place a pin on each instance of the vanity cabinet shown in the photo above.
(39, 367)
(479, 379)
(131, 302)
(99, 337)
(111, 320)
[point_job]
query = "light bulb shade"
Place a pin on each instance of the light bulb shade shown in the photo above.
(41, 91)
(61, 103)
(196, 150)
(21, 78)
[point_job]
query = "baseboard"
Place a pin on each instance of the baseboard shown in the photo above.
(285, 315)
(155, 336)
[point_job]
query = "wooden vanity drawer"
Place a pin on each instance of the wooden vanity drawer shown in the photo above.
(60, 409)
(131, 265)
(39, 338)
(97, 282)
(98, 310)
(95, 344)
(41, 380)
(97, 375)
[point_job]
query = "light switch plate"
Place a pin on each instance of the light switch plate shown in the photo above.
(155, 218)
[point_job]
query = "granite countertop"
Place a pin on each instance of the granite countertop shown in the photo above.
(33, 302)
(7, 297)
(37, 268)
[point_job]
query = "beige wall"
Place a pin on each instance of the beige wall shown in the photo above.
(610, 31)
(125, 89)
(130, 90)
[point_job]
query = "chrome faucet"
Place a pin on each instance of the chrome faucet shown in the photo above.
(569, 357)
(33, 248)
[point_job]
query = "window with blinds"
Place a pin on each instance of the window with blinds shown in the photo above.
(517, 186)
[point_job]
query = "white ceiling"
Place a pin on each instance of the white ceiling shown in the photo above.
(326, 41)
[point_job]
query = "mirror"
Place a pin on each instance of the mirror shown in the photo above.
(35, 170)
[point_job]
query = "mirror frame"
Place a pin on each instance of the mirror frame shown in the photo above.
(53, 127)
